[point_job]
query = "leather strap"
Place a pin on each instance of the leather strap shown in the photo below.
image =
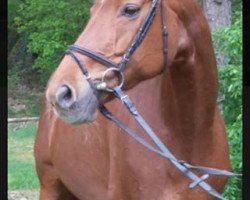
(164, 35)
(140, 35)
(162, 149)
(96, 56)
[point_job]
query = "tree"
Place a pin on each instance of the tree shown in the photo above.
(50, 26)
(218, 12)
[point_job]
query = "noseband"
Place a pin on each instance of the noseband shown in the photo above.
(161, 149)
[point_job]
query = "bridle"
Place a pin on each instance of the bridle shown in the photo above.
(130, 50)
(162, 150)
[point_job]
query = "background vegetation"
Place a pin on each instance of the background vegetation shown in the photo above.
(229, 41)
(39, 32)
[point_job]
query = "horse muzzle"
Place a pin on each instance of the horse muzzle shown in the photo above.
(72, 105)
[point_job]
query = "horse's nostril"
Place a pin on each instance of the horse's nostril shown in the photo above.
(65, 97)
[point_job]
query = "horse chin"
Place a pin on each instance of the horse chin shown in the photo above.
(81, 112)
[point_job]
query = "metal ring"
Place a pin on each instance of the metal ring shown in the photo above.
(120, 77)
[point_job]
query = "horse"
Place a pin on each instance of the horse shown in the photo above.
(171, 76)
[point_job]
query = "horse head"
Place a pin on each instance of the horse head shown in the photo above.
(109, 32)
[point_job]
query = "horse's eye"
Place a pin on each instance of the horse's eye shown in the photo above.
(130, 10)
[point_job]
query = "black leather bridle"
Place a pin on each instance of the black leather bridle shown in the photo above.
(161, 149)
(137, 40)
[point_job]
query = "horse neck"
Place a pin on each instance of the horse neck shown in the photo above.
(177, 99)
(189, 88)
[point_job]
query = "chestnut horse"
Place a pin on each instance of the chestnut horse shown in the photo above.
(82, 155)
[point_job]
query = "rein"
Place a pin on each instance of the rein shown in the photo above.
(161, 149)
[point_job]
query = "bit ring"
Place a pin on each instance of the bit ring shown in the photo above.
(119, 75)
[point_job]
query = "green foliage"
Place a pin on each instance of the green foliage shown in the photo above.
(231, 92)
(236, 9)
(12, 7)
(229, 41)
(14, 77)
(51, 26)
(12, 33)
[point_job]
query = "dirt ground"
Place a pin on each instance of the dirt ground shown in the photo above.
(23, 195)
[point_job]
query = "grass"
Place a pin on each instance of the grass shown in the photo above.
(23, 101)
(21, 165)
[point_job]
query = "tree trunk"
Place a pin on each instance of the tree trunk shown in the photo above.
(218, 12)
